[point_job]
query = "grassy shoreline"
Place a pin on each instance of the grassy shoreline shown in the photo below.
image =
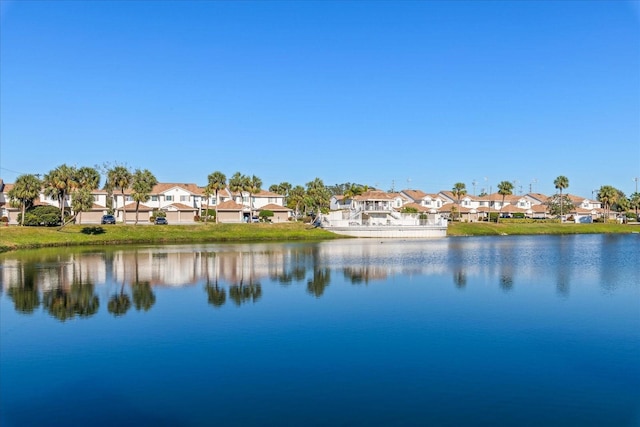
(13, 238)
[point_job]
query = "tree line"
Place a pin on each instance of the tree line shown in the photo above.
(311, 199)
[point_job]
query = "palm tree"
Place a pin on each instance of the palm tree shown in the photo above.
(119, 177)
(607, 195)
(81, 201)
(88, 178)
(561, 183)
(238, 184)
(254, 186)
(317, 197)
(505, 188)
(283, 189)
(25, 190)
(459, 189)
(217, 181)
(142, 185)
(59, 183)
(296, 199)
(635, 203)
(352, 191)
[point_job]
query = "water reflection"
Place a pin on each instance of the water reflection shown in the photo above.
(63, 284)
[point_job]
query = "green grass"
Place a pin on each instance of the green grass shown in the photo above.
(493, 229)
(15, 237)
(12, 238)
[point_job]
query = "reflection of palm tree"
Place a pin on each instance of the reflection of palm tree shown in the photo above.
(460, 278)
(25, 295)
(25, 298)
(119, 303)
(321, 279)
(65, 304)
(143, 296)
(217, 295)
(242, 293)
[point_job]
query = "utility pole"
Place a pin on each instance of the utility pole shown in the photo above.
(636, 180)
(474, 186)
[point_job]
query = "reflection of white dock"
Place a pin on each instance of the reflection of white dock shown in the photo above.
(391, 225)
(390, 231)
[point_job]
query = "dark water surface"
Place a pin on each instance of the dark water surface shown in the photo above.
(514, 331)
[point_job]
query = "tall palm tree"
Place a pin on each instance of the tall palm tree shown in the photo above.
(59, 183)
(25, 190)
(120, 177)
(217, 181)
(505, 188)
(317, 196)
(142, 185)
(238, 184)
(296, 199)
(561, 183)
(87, 180)
(254, 186)
(635, 203)
(459, 189)
(607, 195)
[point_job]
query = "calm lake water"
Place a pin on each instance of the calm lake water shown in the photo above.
(514, 331)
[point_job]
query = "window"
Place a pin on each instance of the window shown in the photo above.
(129, 199)
(154, 198)
(272, 199)
(184, 198)
(168, 198)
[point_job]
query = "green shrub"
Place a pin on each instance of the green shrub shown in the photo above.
(265, 215)
(47, 216)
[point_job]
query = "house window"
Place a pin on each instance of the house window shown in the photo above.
(272, 199)
(96, 198)
(129, 199)
(184, 198)
(168, 198)
(154, 198)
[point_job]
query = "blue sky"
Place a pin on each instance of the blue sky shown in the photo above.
(406, 94)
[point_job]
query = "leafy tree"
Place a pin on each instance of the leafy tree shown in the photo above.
(59, 183)
(142, 185)
(120, 178)
(459, 189)
(607, 195)
(119, 303)
(556, 203)
(319, 282)
(87, 179)
(561, 183)
(216, 182)
(25, 190)
(505, 188)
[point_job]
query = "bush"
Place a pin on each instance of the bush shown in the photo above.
(265, 215)
(4, 219)
(47, 216)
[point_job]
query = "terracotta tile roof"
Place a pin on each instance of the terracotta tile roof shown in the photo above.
(538, 196)
(131, 207)
(511, 209)
(230, 205)
(375, 195)
(264, 193)
(414, 194)
(166, 186)
(462, 209)
(274, 207)
(180, 207)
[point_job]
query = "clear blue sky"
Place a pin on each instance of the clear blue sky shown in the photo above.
(416, 94)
